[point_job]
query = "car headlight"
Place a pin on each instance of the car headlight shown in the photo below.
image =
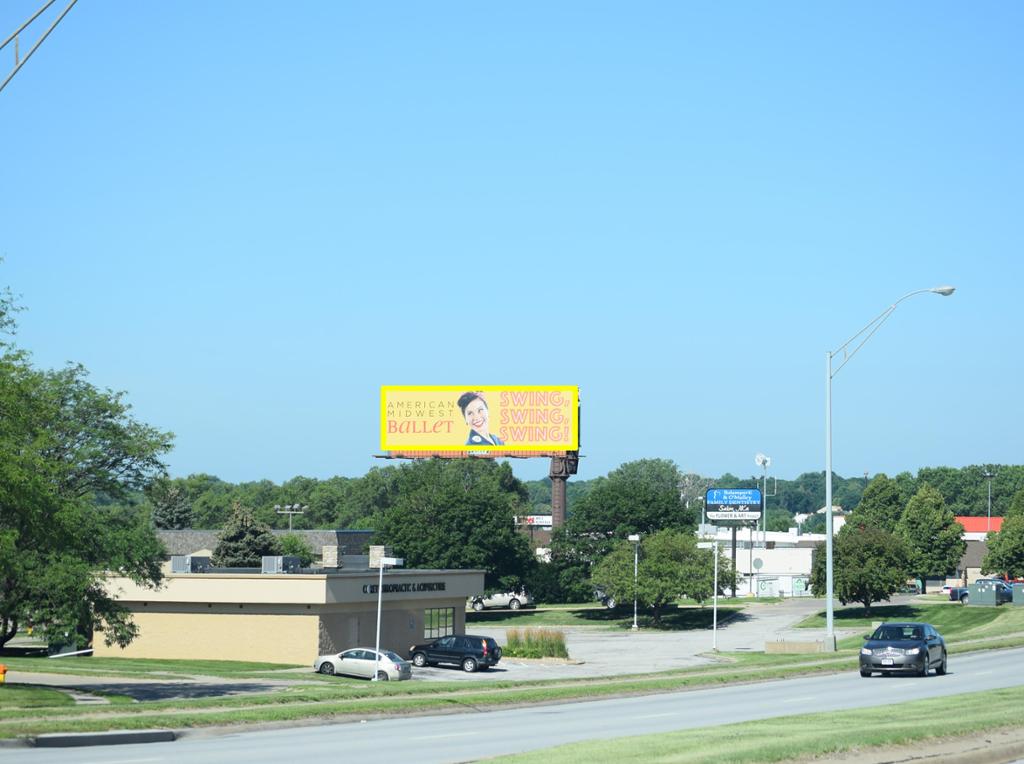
(913, 651)
(865, 651)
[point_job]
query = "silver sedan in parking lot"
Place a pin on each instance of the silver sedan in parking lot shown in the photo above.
(363, 662)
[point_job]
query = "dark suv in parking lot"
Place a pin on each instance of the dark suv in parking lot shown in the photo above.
(465, 650)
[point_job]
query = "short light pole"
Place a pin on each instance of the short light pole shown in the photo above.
(989, 474)
(866, 333)
(384, 561)
(714, 609)
(635, 538)
(290, 510)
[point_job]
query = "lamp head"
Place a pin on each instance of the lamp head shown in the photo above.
(945, 291)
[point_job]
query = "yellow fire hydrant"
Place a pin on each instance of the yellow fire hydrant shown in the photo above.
(3, 673)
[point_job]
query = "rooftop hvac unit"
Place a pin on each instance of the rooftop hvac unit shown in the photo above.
(187, 563)
(281, 564)
(197, 564)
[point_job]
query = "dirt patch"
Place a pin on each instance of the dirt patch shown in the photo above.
(994, 747)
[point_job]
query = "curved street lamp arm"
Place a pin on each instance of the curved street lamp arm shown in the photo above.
(872, 326)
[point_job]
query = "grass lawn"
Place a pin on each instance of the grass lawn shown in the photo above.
(144, 667)
(32, 696)
(801, 737)
(674, 617)
(953, 621)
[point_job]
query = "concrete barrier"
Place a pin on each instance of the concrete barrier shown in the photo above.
(817, 646)
(113, 737)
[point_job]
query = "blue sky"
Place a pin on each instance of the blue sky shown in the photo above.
(250, 215)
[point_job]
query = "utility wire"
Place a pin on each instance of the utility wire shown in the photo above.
(19, 64)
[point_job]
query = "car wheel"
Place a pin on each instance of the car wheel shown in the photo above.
(327, 668)
(610, 603)
(514, 604)
(382, 676)
(963, 600)
(469, 665)
(864, 673)
(926, 666)
(419, 660)
(478, 606)
(941, 670)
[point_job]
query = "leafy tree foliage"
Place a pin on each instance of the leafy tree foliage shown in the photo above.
(63, 443)
(933, 537)
(869, 565)
(1006, 548)
(881, 506)
(244, 541)
(670, 565)
(638, 497)
(294, 545)
(458, 513)
(171, 507)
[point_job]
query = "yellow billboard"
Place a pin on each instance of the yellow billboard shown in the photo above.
(490, 418)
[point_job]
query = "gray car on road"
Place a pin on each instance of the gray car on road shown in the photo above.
(903, 647)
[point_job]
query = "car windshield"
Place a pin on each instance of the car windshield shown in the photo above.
(894, 633)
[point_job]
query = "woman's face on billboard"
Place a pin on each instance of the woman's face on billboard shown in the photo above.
(476, 415)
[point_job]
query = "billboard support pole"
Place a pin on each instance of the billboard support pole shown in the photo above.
(561, 468)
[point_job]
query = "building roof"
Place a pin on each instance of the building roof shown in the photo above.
(980, 524)
(974, 555)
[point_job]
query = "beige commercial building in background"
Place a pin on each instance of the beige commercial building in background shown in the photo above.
(290, 617)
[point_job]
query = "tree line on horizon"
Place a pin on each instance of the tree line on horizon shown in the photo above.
(203, 501)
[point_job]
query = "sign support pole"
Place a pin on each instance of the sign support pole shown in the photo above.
(714, 610)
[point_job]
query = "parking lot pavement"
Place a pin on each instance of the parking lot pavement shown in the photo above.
(608, 652)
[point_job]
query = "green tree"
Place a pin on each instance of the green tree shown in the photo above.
(244, 541)
(869, 565)
(64, 442)
(172, 509)
(881, 505)
(294, 545)
(638, 497)
(458, 513)
(670, 565)
(1006, 548)
(933, 537)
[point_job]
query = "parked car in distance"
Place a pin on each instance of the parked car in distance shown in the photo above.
(903, 647)
(511, 600)
(363, 662)
(958, 594)
(467, 651)
(1004, 592)
(605, 599)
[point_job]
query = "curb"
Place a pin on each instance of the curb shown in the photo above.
(114, 737)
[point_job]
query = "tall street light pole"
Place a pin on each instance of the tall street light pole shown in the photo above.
(635, 538)
(384, 561)
(863, 335)
(989, 474)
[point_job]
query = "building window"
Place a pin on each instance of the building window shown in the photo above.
(438, 622)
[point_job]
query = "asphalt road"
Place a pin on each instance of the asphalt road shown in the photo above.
(472, 736)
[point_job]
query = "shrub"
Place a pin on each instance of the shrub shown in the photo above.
(535, 643)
